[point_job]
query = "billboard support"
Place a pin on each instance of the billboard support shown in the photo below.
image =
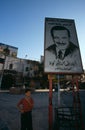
(58, 91)
(50, 78)
(77, 103)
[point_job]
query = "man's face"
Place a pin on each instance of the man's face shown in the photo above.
(28, 93)
(61, 38)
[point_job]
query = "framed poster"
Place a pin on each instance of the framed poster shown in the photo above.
(61, 47)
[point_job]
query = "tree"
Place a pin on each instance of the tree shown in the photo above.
(6, 51)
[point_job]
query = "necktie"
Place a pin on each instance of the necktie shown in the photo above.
(60, 54)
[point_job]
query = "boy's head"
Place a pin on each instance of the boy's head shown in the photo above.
(28, 92)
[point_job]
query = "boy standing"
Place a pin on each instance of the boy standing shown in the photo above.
(25, 106)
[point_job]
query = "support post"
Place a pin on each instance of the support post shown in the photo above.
(50, 103)
(77, 103)
(58, 91)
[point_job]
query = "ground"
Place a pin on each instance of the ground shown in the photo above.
(10, 116)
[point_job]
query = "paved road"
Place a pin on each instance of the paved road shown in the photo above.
(10, 116)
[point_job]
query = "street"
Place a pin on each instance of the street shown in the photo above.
(10, 116)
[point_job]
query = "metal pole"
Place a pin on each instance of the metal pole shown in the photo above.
(50, 103)
(58, 90)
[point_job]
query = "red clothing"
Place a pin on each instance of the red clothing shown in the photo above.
(26, 105)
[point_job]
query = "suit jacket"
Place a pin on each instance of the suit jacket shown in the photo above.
(71, 48)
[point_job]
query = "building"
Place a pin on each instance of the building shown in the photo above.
(12, 50)
(13, 69)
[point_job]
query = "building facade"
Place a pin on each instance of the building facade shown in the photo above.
(17, 69)
(12, 50)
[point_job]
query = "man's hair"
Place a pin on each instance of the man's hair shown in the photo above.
(59, 28)
(28, 89)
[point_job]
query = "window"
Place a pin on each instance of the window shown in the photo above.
(27, 69)
(11, 66)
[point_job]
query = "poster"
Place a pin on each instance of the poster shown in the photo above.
(61, 47)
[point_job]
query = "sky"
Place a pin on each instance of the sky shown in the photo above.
(22, 23)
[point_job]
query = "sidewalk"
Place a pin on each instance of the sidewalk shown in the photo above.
(4, 91)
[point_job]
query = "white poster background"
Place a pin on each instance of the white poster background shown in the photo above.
(71, 63)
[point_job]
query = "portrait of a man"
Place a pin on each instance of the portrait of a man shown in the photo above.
(62, 46)
(62, 55)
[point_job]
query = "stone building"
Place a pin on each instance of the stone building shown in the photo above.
(13, 69)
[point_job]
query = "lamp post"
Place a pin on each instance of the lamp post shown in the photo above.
(6, 52)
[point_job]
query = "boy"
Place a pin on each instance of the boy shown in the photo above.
(25, 106)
